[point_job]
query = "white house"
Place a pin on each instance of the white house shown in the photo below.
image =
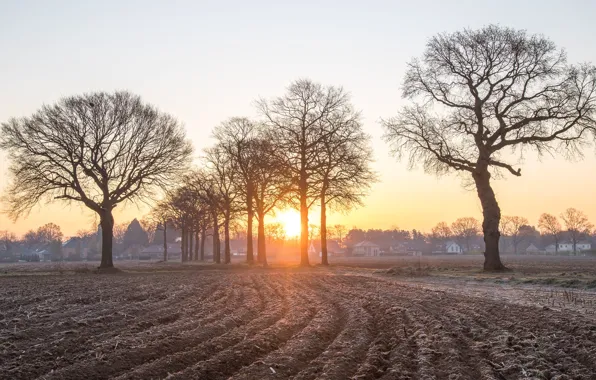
(366, 248)
(453, 247)
(450, 247)
(568, 247)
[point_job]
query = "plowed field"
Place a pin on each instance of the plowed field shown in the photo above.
(282, 323)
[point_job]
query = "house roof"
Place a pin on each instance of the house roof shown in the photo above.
(366, 243)
(73, 242)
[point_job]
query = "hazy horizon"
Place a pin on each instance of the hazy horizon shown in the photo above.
(205, 62)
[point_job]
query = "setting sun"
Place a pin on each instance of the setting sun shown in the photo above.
(290, 220)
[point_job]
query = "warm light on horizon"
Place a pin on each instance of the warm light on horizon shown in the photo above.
(290, 220)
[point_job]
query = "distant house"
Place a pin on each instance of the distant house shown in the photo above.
(568, 247)
(74, 249)
(333, 248)
(532, 249)
(398, 249)
(449, 247)
(551, 248)
(366, 248)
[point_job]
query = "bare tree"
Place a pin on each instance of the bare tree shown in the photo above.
(441, 232)
(237, 138)
(549, 225)
(464, 230)
(119, 231)
(160, 216)
(272, 184)
(275, 232)
(512, 226)
(150, 226)
(480, 93)
(203, 184)
(98, 149)
(49, 232)
(300, 119)
(340, 231)
(343, 171)
(223, 171)
(577, 225)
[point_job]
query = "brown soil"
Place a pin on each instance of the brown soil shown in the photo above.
(284, 323)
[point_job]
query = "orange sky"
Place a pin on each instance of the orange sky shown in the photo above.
(407, 199)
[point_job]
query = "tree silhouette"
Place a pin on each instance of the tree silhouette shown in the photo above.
(577, 225)
(513, 226)
(442, 232)
(98, 149)
(549, 225)
(343, 171)
(300, 120)
(464, 230)
(478, 94)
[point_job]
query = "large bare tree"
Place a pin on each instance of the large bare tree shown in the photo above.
(343, 173)
(223, 172)
(481, 98)
(272, 184)
(236, 137)
(99, 149)
(300, 119)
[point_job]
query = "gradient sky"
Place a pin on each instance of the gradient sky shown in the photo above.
(204, 61)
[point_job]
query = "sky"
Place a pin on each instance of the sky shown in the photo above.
(206, 61)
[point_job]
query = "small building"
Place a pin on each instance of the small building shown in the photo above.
(567, 247)
(449, 247)
(74, 249)
(532, 249)
(366, 248)
(333, 248)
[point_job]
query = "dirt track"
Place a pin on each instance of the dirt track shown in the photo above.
(254, 324)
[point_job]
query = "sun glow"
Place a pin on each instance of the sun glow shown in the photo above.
(290, 220)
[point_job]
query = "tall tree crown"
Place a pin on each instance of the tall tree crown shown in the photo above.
(100, 149)
(477, 92)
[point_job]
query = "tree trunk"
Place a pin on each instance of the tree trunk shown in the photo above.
(203, 237)
(261, 244)
(490, 224)
(107, 234)
(227, 253)
(303, 220)
(249, 248)
(556, 246)
(183, 243)
(324, 259)
(216, 256)
(165, 242)
(196, 258)
(190, 243)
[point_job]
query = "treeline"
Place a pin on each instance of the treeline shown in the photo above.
(476, 101)
(308, 148)
(572, 226)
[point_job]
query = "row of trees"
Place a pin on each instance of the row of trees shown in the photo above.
(308, 149)
(478, 99)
